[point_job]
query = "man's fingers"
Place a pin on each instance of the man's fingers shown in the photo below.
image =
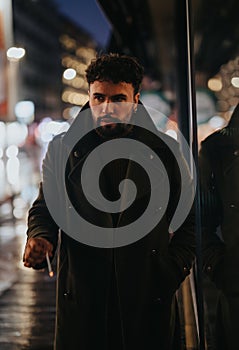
(39, 245)
(32, 258)
(35, 251)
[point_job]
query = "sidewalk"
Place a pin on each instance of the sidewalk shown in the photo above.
(27, 297)
(11, 243)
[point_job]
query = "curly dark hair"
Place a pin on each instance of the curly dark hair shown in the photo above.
(116, 68)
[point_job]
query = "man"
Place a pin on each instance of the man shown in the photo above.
(219, 168)
(116, 295)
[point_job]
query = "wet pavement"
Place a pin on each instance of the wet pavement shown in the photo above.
(27, 297)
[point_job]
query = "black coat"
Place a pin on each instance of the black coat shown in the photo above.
(219, 173)
(147, 272)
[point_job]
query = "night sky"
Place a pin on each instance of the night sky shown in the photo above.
(88, 15)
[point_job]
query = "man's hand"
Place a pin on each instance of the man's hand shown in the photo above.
(35, 251)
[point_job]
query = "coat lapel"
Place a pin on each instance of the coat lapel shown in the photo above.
(143, 188)
(75, 177)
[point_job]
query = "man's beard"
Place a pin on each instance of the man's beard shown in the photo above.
(113, 129)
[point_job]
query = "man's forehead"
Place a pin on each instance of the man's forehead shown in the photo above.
(108, 87)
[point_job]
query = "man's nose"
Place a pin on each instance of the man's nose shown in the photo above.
(107, 107)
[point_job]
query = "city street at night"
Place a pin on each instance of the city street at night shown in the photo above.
(119, 169)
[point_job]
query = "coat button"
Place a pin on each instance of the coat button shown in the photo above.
(153, 251)
(66, 294)
(232, 206)
(185, 270)
(157, 300)
(209, 269)
(158, 209)
(76, 154)
(236, 152)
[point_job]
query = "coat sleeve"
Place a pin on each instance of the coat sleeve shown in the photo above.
(213, 247)
(40, 221)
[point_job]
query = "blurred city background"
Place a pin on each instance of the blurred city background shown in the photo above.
(45, 47)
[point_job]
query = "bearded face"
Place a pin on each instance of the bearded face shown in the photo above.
(112, 106)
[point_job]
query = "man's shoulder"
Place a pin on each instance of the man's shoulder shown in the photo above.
(215, 145)
(166, 143)
(213, 138)
(167, 139)
(59, 137)
(56, 143)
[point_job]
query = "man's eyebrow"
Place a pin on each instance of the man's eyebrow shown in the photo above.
(119, 95)
(98, 94)
(113, 96)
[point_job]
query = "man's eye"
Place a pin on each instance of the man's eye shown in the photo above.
(99, 98)
(118, 99)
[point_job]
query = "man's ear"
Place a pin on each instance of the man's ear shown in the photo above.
(136, 97)
(136, 101)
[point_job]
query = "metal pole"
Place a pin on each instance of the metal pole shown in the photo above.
(188, 126)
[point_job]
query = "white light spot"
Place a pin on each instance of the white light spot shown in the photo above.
(69, 74)
(235, 82)
(217, 122)
(172, 133)
(15, 53)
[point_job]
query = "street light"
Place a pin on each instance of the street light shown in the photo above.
(69, 74)
(15, 53)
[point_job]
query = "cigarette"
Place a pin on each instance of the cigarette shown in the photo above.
(50, 271)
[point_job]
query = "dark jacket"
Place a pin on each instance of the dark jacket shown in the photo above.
(219, 165)
(147, 272)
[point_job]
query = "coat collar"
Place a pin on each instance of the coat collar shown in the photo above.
(234, 121)
(84, 121)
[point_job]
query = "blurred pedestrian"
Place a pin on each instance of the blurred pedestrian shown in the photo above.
(219, 173)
